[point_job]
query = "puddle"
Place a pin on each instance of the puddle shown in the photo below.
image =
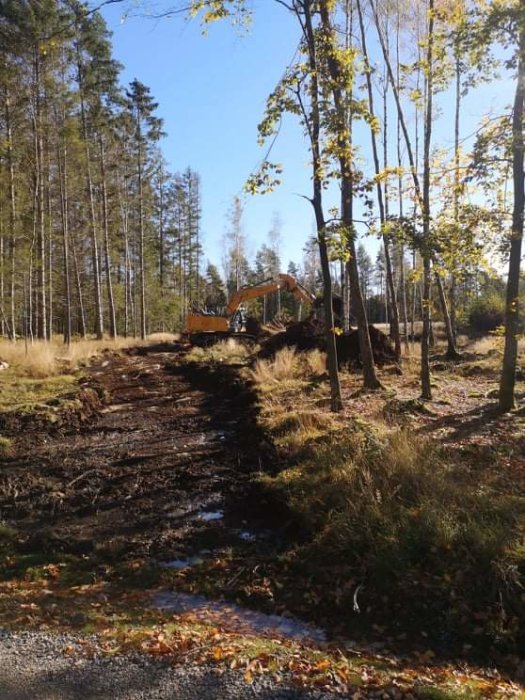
(247, 536)
(179, 564)
(195, 560)
(234, 618)
(211, 436)
(210, 515)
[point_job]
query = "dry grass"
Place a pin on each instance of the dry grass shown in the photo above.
(409, 521)
(228, 351)
(39, 360)
(316, 361)
(6, 446)
(40, 372)
(284, 366)
(291, 395)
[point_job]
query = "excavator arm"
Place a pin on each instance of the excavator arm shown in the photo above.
(257, 290)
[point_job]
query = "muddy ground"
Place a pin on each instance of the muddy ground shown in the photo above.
(160, 472)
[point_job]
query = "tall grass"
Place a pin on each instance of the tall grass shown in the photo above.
(229, 351)
(408, 520)
(39, 360)
(285, 365)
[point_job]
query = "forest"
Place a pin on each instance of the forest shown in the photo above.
(355, 466)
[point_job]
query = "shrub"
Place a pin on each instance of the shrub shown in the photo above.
(486, 314)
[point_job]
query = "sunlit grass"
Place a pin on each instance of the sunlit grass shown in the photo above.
(41, 359)
(228, 351)
(40, 372)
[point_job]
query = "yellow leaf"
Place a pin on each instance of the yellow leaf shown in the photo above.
(322, 665)
(248, 677)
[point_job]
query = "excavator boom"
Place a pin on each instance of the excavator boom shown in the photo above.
(257, 290)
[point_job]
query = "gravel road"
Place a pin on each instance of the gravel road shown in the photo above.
(33, 666)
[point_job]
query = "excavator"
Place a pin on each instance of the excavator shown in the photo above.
(204, 327)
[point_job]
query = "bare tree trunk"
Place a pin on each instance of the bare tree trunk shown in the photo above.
(510, 352)
(64, 210)
(142, 264)
(39, 199)
(402, 280)
(105, 222)
(346, 168)
(317, 203)
(343, 274)
(12, 212)
(383, 203)
(80, 296)
(124, 218)
(452, 353)
(426, 390)
(50, 287)
(456, 185)
(99, 322)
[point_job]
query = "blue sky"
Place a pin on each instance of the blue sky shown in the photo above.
(212, 91)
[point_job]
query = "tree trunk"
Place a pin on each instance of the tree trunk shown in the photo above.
(142, 264)
(381, 202)
(452, 353)
(510, 352)
(426, 390)
(39, 194)
(370, 380)
(80, 296)
(64, 211)
(317, 203)
(124, 218)
(105, 221)
(99, 322)
(12, 212)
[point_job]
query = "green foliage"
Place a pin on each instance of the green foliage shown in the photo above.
(486, 313)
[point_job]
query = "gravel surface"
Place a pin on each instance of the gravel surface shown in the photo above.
(34, 666)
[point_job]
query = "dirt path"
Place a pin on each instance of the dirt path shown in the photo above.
(159, 478)
(151, 476)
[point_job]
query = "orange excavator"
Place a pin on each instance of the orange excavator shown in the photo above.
(203, 327)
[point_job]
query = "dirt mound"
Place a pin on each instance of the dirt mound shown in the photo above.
(308, 335)
(382, 348)
(303, 335)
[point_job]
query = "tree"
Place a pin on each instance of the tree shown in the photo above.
(214, 293)
(147, 126)
(235, 262)
(515, 13)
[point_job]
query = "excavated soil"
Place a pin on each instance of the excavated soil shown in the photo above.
(161, 471)
(310, 334)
